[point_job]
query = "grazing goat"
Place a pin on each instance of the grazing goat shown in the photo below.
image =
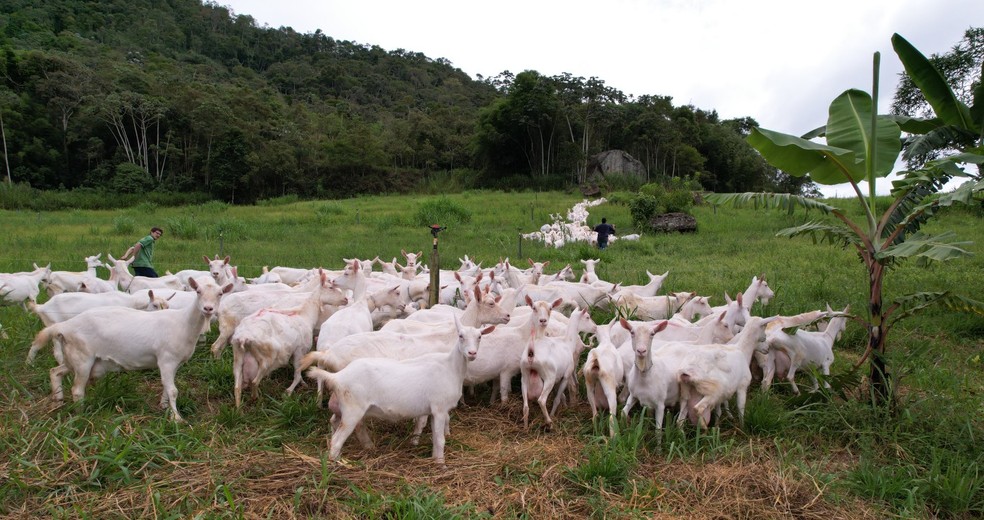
(805, 348)
(110, 339)
(711, 374)
(269, 338)
(396, 390)
(603, 375)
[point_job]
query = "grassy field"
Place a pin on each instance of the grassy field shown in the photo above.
(116, 455)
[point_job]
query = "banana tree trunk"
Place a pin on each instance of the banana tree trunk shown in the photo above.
(881, 386)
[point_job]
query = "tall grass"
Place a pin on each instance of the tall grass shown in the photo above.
(115, 455)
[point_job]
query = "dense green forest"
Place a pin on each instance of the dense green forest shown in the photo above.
(181, 96)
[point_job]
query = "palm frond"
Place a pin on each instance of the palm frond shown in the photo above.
(823, 232)
(911, 304)
(936, 139)
(782, 201)
(927, 248)
(917, 205)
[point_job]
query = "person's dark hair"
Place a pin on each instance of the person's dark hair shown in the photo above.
(604, 220)
(155, 228)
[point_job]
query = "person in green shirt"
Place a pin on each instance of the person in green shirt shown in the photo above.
(143, 253)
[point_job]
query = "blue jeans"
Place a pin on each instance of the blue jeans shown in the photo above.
(602, 245)
(149, 272)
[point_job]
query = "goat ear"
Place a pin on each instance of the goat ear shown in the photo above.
(403, 252)
(660, 326)
(530, 261)
(420, 253)
(478, 293)
(206, 258)
(557, 303)
(529, 301)
(487, 330)
(624, 323)
(226, 262)
(150, 294)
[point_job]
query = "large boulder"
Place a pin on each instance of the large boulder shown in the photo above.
(612, 161)
(679, 222)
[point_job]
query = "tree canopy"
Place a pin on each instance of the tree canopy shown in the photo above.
(202, 99)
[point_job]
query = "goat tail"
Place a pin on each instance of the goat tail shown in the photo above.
(322, 376)
(44, 337)
(316, 357)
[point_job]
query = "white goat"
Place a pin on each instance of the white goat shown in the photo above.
(69, 281)
(238, 305)
(603, 375)
(269, 338)
(65, 306)
(111, 339)
(396, 390)
(649, 380)
(23, 287)
(589, 275)
(711, 374)
(546, 362)
(805, 348)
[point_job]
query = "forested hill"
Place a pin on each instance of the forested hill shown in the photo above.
(135, 95)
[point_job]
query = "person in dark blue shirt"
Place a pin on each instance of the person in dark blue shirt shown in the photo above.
(604, 230)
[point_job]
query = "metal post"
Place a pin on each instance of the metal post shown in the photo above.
(435, 267)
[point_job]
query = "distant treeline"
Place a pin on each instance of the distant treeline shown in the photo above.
(179, 96)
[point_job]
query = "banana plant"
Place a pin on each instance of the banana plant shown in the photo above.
(955, 124)
(861, 146)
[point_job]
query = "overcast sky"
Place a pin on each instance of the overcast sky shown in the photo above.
(780, 62)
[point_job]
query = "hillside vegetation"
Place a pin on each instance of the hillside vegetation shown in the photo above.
(134, 96)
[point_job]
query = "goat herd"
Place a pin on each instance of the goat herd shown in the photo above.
(383, 353)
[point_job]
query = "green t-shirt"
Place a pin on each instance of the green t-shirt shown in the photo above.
(145, 257)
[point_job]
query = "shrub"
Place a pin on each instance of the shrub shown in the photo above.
(124, 225)
(130, 178)
(643, 208)
(184, 227)
(327, 212)
(442, 211)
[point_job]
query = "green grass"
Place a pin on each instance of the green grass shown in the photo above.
(116, 455)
